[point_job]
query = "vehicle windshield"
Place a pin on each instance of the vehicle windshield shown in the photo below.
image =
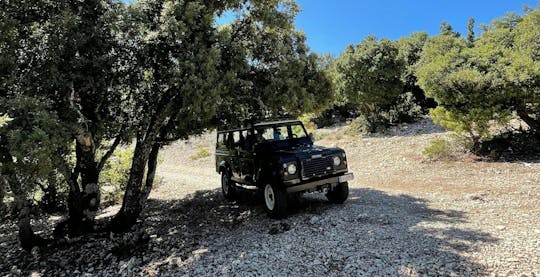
(280, 132)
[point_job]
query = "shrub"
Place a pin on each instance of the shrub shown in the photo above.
(361, 125)
(404, 110)
(201, 154)
(335, 115)
(511, 144)
(114, 177)
(440, 150)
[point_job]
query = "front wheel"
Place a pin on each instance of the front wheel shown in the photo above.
(275, 201)
(339, 193)
(227, 187)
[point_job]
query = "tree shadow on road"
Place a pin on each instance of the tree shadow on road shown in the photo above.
(373, 233)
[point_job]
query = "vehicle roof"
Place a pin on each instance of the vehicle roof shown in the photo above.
(261, 124)
(277, 122)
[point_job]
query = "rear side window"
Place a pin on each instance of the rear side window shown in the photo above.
(221, 141)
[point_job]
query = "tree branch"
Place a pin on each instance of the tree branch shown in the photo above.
(109, 152)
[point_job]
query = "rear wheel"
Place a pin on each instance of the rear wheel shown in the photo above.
(339, 193)
(227, 187)
(275, 201)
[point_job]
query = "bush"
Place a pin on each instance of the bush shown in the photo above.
(404, 110)
(440, 150)
(114, 177)
(335, 115)
(511, 145)
(364, 125)
(201, 154)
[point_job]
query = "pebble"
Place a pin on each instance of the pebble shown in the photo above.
(413, 218)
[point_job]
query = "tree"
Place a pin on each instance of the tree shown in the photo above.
(484, 84)
(410, 52)
(93, 74)
(177, 84)
(470, 32)
(187, 64)
(57, 65)
(269, 70)
(369, 74)
(447, 29)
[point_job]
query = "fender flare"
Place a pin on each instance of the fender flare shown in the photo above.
(224, 167)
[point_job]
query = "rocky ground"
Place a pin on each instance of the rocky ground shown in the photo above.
(405, 216)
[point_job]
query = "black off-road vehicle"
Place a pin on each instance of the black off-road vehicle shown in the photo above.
(280, 159)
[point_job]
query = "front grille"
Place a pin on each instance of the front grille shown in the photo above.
(317, 167)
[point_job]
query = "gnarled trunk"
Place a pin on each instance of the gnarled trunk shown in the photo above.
(83, 199)
(136, 195)
(523, 113)
(131, 206)
(27, 237)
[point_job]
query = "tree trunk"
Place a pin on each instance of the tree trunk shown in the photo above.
(131, 204)
(27, 237)
(151, 171)
(109, 152)
(3, 208)
(83, 204)
(521, 110)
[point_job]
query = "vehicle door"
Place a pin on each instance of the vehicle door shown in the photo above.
(235, 156)
(245, 156)
(222, 151)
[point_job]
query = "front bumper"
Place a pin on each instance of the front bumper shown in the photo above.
(319, 184)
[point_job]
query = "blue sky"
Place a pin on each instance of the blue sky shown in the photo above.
(332, 25)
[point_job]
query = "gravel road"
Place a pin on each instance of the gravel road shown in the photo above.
(405, 217)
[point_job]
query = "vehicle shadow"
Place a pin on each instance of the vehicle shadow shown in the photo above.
(372, 233)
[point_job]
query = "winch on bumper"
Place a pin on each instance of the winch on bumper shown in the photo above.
(296, 185)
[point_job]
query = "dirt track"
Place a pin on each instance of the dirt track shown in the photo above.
(405, 216)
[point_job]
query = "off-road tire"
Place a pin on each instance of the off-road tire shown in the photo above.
(339, 194)
(275, 201)
(227, 187)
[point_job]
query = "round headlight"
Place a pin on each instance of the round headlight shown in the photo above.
(337, 161)
(291, 169)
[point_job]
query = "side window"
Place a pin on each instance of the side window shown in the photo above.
(237, 138)
(243, 139)
(298, 131)
(230, 141)
(221, 142)
(280, 133)
(266, 134)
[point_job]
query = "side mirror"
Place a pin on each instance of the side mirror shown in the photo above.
(312, 137)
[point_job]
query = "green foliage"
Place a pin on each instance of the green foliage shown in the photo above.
(439, 149)
(115, 175)
(405, 110)
(470, 32)
(480, 85)
(378, 77)
(363, 125)
(28, 136)
(4, 120)
(369, 74)
(270, 70)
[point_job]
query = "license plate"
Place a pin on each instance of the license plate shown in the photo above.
(345, 178)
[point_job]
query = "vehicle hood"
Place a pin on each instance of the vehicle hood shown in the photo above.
(308, 151)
